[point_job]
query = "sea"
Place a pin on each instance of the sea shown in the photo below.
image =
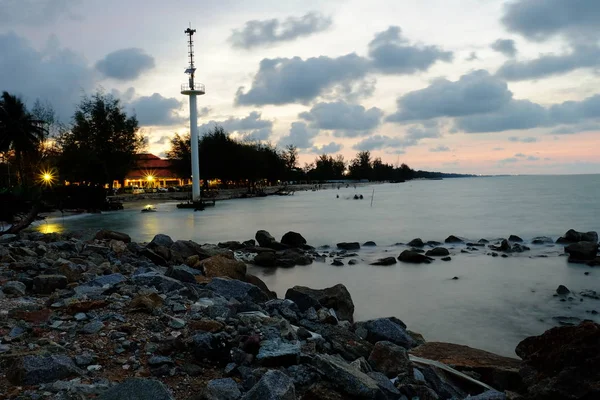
(495, 302)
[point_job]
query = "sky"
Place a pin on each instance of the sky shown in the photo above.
(468, 86)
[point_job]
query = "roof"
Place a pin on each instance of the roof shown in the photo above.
(150, 161)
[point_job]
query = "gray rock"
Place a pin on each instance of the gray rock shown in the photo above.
(105, 234)
(84, 359)
(515, 239)
(336, 297)
(389, 359)
(416, 243)
(264, 238)
(33, 370)
(370, 243)
(388, 329)
(562, 290)
(92, 327)
(572, 236)
(274, 385)
(162, 283)
(347, 378)
(385, 261)
(161, 240)
(337, 262)
(542, 240)
(293, 239)
(157, 361)
(488, 395)
(8, 238)
(385, 384)
(438, 252)
(265, 259)
(183, 273)
(46, 284)
(107, 280)
(349, 246)
(410, 256)
(453, 239)
(276, 352)
(15, 288)
(234, 289)
(138, 389)
(222, 389)
(208, 345)
(582, 251)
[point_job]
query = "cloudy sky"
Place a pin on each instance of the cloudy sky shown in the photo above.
(479, 86)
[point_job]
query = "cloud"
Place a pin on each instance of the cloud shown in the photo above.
(156, 110)
(532, 158)
(257, 33)
(36, 12)
(251, 127)
(515, 115)
(347, 120)
(541, 20)
(204, 111)
(439, 149)
(522, 139)
(474, 93)
(294, 80)
(327, 149)
(505, 46)
(392, 54)
(508, 160)
(498, 149)
(550, 64)
(378, 142)
(300, 136)
(53, 74)
(162, 140)
(577, 128)
(125, 64)
(472, 57)
(520, 155)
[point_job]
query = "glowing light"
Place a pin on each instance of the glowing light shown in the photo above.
(149, 178)
(47, 177)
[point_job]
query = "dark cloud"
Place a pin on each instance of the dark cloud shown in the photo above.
(257, 33)
(541, 19)
(520, 155)
(53, 74)
(348, 120)
(392, 54)
(38, 12)
(378, 142)
(515, 115)
(204, 111)
(522, 139)
(440, 148)
(157, 110)
(474, 93)
(162, 140)
(251, 127)
(577, 128)
(125, 64)
(505, 46)
(550, 64)
(327, 149)
(294, 80)
(300, 136)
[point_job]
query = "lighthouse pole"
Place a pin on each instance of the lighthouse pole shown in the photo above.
(193, 90)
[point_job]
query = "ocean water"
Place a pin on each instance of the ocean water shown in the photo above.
(495, 303)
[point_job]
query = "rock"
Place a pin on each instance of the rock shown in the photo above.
(222, 389)
(265, 259)
(438, 252)
(446, 258)
(183, 273)
(157, 361)
(105, 234)
(221, 266)
(385, 385)
(208, 345)
(8, 238)
(291, 257)
(562, 362)
(336, 297)
(274, 385)
(385, 261)
(572, 236)
(347, 378)
(276, 352)
(453, 239)
(352, 261)
(542, 240)
(107, 281)
(256, 281)
(92, 327)
(154, 257)
(349, 246)
(562, 290)
(162, 283)
(515, 239)
(337, 262)
(188, 248)
(232, 245)
(389, 359)
(138, 389)
(264, 238)
(582, 251)
(46, 284)
(343, 341)
(238, 290)
(497, 371)
(161, 240)
(33, 370)
(293, 239)
(413, 257)
(504, 246)
(489, 395)
(14, 288)
(416, 243)
(370, 243)
(386, 329)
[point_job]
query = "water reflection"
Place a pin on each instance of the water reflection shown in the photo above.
(51, 227)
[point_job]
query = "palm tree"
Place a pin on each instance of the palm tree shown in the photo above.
(20, 132)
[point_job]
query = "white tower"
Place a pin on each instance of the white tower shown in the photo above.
(193, 89)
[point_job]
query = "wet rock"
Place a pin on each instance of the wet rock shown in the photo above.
(542, 240)
(413, 257)
(336, 297)
(293, 239)
(33, 370)
(352, 261)
(453, 239)
(389, 359)
(183, 273)
(347, 378)
(337, 262)
(161, 240)
(349, 246)
(582, 251)
(105, 234)
(46, 284)
(515, 239)
(232, 245)
(138, 388)
(438, 252)
(221, 266)
(264, 238)
(386, 329)
(238, 290)
(274, 385)
(370, 243)
(291, 257)
(562, 290)
(256, 281)
(385, 261)
(276, 352)
(189, 248)
(222, 389)
(489, 395)
(446, 258)
(416, 243)
(160, 282)
(265, 259)
(572, 236)
(154, 257)
(15, 288)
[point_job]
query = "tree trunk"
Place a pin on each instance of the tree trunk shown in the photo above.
(25, 222)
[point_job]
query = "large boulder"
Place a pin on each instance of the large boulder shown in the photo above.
(188, 248)
(409, 256)
(390, 359)
(418, 242)
(453, 239)
(388, 329)
(438, 252)
(572, 236)
(234, 289)
(256, 281)
(274, 385)
(265, 259)
(222, 389)
(386, 261)
(138, 389)
(582, 251)
(562, 363)
(276, 352)
(105, 234)
(183, 273)
(264, 238)
(293, 239)
(221, 266)
(161, 240)
(349, 246)
(349, 379)
(336, 297)
(33, 370)
(497, 371)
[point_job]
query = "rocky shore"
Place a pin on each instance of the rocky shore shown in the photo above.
(108, 318)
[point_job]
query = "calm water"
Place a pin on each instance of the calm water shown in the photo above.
(495, 303)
